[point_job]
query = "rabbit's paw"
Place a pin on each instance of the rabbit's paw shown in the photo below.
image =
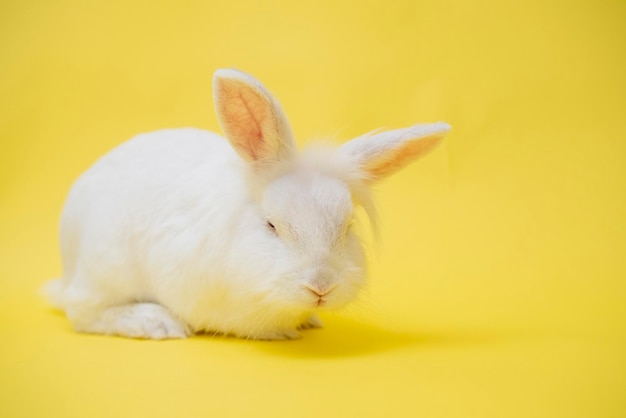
(140, 320)
(311, 322)
(280, 334)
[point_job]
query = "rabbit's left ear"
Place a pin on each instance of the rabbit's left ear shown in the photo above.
(251, 118)
(381, 155)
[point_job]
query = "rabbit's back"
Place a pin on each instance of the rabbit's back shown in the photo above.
(164, 154)
(144, 210)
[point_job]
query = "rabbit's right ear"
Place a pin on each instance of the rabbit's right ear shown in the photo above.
(251, 118)
(380, 155)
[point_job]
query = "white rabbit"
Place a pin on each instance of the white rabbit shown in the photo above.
(181, 231)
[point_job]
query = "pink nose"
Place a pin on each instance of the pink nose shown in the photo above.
(319, 292)
(315, 291)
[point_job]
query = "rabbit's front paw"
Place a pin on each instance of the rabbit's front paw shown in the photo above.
(278, 335)
(312, 321)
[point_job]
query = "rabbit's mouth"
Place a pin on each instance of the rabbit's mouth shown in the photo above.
(320, 302)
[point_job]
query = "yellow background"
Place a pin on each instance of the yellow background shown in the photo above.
(499, 288)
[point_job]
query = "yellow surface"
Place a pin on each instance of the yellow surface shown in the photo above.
(499, 290)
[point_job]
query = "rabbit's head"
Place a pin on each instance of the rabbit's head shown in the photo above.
(307, 201)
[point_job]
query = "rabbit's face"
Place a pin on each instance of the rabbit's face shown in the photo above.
(311, 216)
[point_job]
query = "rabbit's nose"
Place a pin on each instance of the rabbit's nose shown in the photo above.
(319, 291)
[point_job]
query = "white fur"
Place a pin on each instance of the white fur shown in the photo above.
(168, 234)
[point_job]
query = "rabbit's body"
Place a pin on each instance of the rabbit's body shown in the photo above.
(181, 231)
(167, 218)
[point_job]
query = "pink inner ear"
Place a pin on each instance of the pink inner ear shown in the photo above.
(408, 152)
(243, 113)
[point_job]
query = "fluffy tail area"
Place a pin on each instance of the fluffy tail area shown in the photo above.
(54, 291)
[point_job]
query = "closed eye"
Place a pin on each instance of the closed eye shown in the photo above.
(271, 226)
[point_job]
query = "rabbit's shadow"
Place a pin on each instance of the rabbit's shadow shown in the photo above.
(344, 337)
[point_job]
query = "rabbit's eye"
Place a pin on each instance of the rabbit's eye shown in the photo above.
(271, 225)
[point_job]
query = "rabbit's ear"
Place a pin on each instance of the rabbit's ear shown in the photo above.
(251, 118)
(380, 155)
